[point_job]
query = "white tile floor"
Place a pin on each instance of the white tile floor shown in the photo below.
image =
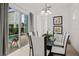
(24, 51)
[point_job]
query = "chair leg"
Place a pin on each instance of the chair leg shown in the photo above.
(30, 52)
(52, 54)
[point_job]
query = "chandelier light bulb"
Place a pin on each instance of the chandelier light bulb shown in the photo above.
(42, 12)
(48, 11)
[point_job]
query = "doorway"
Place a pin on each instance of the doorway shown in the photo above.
(17, 30)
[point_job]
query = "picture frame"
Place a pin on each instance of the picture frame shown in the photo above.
(57, 20)
(57, 29)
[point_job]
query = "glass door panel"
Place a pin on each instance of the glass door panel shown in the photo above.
(24, 29)
(17, 30)
(13, 33)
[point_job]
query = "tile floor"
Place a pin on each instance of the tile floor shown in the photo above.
(24, 51)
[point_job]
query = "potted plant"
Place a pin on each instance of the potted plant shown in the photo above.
(47, 36)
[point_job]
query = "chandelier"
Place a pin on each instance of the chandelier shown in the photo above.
(46, 10)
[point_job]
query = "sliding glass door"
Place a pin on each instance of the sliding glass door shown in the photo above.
(24, 30)
(13, 29)
(17, 30)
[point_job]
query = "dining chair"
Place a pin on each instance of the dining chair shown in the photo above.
(60, 50)
(38, 46)
(30, 46)
(59, 39)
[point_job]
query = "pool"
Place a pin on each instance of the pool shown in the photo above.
(11, 37)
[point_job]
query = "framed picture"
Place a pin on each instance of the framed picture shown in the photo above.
(57, 20)
(57, 29)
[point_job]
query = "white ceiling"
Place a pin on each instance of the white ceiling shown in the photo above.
(36, 7)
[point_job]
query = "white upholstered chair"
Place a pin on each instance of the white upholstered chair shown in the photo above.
(59, 39)
(60, 50)
(38, 46)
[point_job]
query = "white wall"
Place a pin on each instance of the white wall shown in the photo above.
(44, 23)
(74, 30)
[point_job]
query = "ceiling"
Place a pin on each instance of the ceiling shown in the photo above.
(36, 7)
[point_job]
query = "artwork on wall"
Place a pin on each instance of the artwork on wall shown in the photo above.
(57, 20)
(57, 24)
(57, 29)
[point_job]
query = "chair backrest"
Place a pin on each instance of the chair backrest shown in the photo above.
(33, 34)
(66, 40)
(58, 37)
(38, 46)
(30, 34)
(64, 36)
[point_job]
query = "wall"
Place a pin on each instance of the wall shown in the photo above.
(74, 30)
(44, 23)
